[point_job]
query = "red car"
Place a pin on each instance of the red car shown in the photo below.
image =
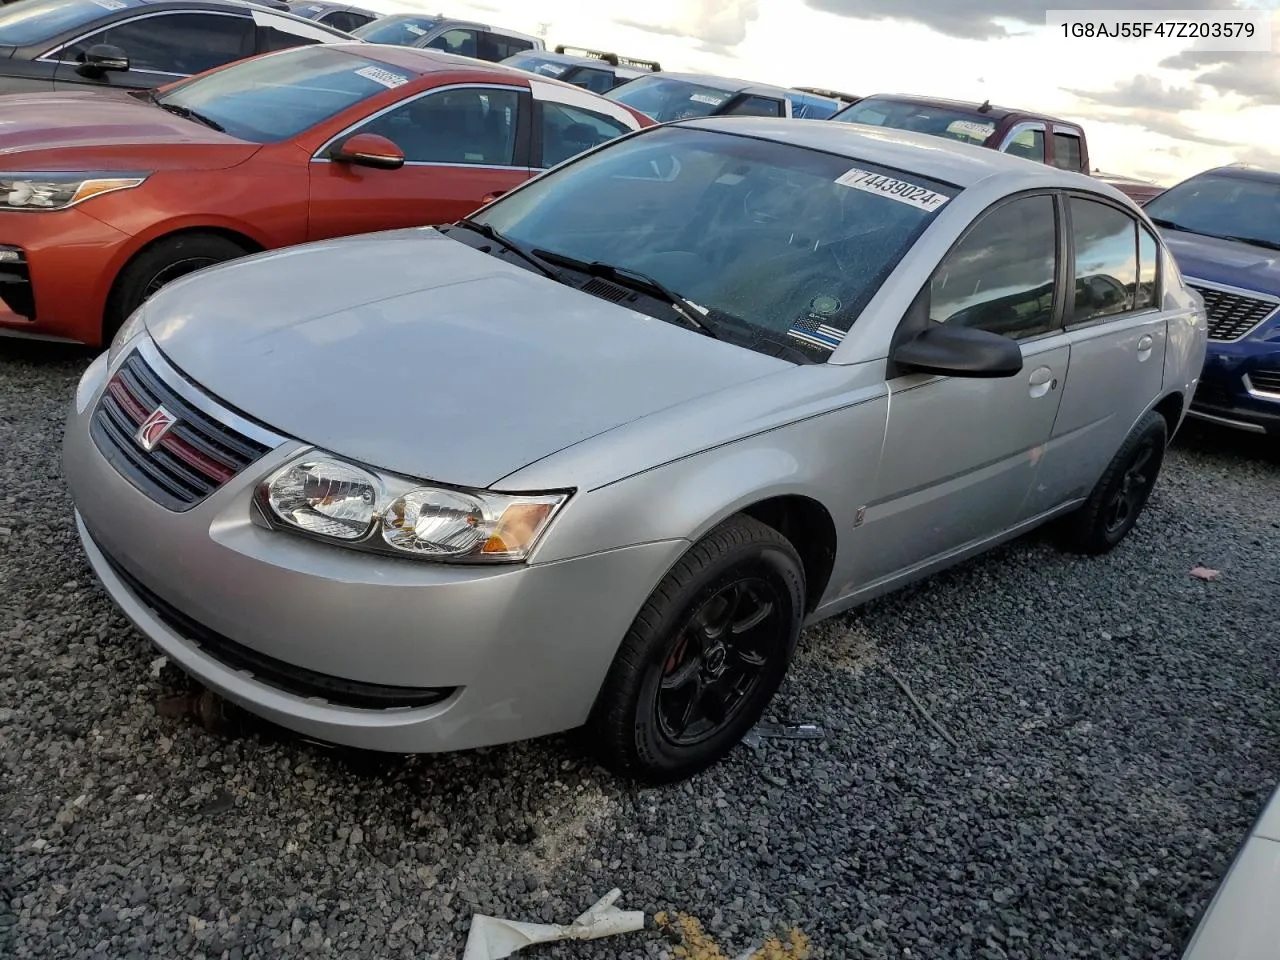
(105, 197)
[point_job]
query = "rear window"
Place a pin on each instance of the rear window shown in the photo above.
(967, 126)
(34, 20)
(275, 97)
(400, 31)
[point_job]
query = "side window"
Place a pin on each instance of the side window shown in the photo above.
(470, 125)
(462, 42)
(754, 106)
(1028, 143)
(496, 47)
(1066, 151)
(1000, 276)
(176, 43)
(1148, 269)
(344, 21)
(270, 39)
(1105, 241)
(567, 131)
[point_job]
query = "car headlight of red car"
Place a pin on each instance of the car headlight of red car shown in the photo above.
(57, 191)
(330, 499)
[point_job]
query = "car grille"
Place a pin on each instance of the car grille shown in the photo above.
(1232, 315)
(1267, 381)
(286, 677)
(189, 462)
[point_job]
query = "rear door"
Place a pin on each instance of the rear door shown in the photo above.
(961, 454)
(1117, 334)
(462, 143)
(563, 130)
(460, 40)
(1027, 140)
(162, 47)
(1067, 149)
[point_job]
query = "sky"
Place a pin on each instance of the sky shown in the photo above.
(1150, 108)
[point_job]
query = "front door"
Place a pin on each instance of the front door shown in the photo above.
(462, 144)
(961, 454)
(1117, 334)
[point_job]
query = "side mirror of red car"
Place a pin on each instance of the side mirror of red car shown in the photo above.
(368, 150)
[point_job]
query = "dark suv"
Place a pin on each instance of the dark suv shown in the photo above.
(138, 44)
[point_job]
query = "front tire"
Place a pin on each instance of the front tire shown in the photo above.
(1121, 494)
(163, 262)
(704, 656)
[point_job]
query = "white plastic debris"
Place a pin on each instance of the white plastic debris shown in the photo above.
(492, 938)
(158, 665)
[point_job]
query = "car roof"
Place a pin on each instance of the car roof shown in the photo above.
(1245, 171)
(960, 164)
(992, 111)
(726, 83)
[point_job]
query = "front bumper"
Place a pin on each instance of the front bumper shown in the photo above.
(56, 283)
(1240, 387)
(462, 656)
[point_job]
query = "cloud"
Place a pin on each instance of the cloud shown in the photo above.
(1143, 92)
(1161, 123)
(719, 24)
(980, 19)
(1253, 75)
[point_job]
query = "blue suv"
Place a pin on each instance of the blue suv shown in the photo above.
(1223, 228)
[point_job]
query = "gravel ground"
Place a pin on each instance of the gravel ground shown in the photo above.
(1116, 722)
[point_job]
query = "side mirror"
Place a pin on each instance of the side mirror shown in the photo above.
(103, 58)
(954, 351)
(369, 150)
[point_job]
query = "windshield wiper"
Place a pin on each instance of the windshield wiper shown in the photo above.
(1255, 241)
(489, 233)
(188, 114)
(684, 307)
(1168, 224)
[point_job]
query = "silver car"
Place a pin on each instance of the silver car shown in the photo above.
(593, 456)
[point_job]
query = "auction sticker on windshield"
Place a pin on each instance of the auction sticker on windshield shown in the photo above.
(385, 77)
(920, 197)
(708, 99)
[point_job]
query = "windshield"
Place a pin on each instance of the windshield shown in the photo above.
(533, 64)
(1219, 205)
(664, 98)
(34, 20)
(774, 240)
(399, 31)
(278, 96)
(967, 126)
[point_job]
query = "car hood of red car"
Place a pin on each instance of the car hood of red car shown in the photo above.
(104, 130)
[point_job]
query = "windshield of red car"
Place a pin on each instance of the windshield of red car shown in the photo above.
(400, 31)
(771, 238)
(34, 20)
(278, 96)
(1218, 205)
(967, 126)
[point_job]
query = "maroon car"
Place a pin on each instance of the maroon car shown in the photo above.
(1022, 133)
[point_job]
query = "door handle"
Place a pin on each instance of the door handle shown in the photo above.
(1041, 382)
(1144, 348)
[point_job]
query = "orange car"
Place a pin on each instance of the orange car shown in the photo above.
(105, 197)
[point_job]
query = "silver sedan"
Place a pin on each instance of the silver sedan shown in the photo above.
(593, 456)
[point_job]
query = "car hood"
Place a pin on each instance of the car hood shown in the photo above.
(412, 352)
(1225, 261)
(94, 128)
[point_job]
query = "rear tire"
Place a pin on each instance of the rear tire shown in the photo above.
(704, 656)
(1121, 494)
(162, 262)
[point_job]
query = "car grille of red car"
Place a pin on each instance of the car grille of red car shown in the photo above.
(196, 455)
(1232, 315)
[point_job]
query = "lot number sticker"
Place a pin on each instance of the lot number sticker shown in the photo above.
(921, 198)
(385, 77)
(707, 99)
(970, 128)
(110, 4)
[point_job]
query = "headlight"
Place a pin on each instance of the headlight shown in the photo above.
(57, 191)
(338, 501)
(128, 330)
